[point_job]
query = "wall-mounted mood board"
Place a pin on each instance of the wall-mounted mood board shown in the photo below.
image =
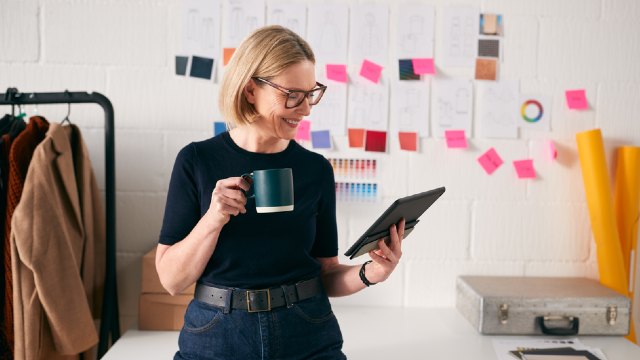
(377, 60)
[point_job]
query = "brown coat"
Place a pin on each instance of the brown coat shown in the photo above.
(58, 251)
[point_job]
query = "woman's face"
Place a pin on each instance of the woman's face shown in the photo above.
(275, 120)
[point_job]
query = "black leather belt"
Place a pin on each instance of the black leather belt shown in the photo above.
(257, 300)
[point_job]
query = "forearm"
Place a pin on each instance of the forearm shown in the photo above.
(183, 263)
(342, 280)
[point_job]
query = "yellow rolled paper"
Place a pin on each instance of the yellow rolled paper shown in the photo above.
(626, 202)
(603, 223)
(627, 199)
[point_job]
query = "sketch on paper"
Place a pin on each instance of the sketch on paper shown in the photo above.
(331, 112)
(328, 32)
(200, 38)
(241, 18)
(460, 36)
(369, 33)
(411, 107)
(452, 106)
(288, 14)
(368, 105)
(201, 28)
(415, 31)
(498, 109)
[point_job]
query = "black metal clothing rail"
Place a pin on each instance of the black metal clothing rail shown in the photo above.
(110, 322)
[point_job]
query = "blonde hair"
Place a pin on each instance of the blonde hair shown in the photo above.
(266, 53)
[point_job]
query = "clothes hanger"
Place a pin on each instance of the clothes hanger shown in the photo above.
(66, 118)
(18, 124)
(34, 111)
(21, 113)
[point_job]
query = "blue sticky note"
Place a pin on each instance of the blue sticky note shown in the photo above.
(321, 139)
(219, 128)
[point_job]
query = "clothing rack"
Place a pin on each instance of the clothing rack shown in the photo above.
(110, 322)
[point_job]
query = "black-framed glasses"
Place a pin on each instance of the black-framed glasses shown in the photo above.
(296, 97)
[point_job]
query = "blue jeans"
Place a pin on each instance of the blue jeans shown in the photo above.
(306, 330)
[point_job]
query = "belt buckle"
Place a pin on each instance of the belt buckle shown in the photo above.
(267, 291)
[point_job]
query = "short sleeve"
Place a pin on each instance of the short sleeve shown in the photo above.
(326, 242)
(182, 210)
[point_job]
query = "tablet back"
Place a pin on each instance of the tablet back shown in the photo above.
(410, 208)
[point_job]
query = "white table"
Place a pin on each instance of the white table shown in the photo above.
(383, 333)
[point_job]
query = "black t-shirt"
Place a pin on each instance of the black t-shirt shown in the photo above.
(255, 250)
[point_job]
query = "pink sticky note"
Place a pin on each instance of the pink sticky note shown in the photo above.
(337, 72)
(525, 169)
(577, 99)
(553, 153)
(455, 139)
(423, 66)
(304, 131)
(490, 161)
(371, 71)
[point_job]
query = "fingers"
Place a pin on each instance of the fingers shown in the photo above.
(377, 258)
(388, 253)
(396, 234)
(234, 183)
(401, 226)
(232, 194)
(226, 205)
(228, 198)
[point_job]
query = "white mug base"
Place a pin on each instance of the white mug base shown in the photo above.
(272, 209)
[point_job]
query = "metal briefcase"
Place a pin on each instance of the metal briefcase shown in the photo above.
(541, 305)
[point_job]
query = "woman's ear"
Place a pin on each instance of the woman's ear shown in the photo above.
(249, 91)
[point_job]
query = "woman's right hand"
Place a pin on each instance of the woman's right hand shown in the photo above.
(228, 199)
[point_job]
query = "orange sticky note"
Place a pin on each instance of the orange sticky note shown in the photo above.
(371, 71)
(577, 99)
(304, 129)
(423, 66)
(553, 153)
(375, 141)
(337, 72)
(456, 139)
(524, 169)
(408, 141)
(227, 53)
(356, 138)
(490, 161)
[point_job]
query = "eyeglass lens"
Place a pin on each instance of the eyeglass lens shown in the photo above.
(294, 99)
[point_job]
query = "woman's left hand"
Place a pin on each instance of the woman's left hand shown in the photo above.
(386, 257)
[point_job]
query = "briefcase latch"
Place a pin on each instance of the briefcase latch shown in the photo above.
(503, 313)
(612, 314)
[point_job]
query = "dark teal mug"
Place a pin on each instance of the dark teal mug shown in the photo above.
(272, 189)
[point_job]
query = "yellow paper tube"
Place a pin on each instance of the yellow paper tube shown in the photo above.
(626, 201)
(603, 224)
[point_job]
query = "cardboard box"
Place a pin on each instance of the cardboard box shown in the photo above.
(150, 280)
(162, 311)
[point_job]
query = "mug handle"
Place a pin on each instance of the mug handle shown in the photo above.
(249, 179)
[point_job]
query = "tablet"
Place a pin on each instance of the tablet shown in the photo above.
(410, 208)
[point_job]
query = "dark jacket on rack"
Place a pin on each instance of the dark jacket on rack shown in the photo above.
(10, 128)
(20, 154)
(57, 247)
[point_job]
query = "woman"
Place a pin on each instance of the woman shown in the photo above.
(262, 279)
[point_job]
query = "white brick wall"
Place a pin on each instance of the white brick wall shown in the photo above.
(482, 225)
